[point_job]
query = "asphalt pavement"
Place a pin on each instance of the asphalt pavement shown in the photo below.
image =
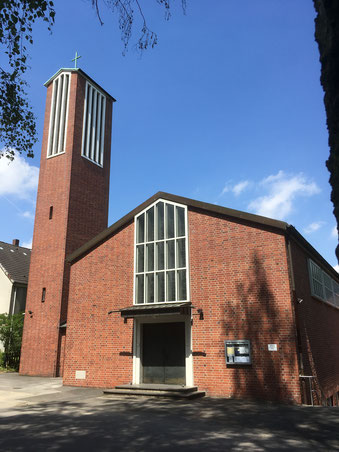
(40, 414)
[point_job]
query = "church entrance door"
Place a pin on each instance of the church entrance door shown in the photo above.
(163, 353)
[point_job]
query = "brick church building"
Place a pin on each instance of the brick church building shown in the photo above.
(177, 292)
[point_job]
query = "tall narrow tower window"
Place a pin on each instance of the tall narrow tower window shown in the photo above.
(59, 114)
(94, 125)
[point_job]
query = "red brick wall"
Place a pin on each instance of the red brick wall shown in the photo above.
(78, 191)
(239, 277)
(99, 343)
(318, 323)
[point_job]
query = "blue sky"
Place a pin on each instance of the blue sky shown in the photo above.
(227, 109)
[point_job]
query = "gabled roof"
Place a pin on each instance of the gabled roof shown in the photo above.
(14, 261)
(79, 71)
(190, 203)
(277, 226)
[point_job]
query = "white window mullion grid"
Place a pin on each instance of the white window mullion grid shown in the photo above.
(188, 294)
(175, 255)
(165, 252)
(317, 275)
(155, 254)
(155, 242)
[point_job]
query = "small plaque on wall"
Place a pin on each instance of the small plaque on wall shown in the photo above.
(238, 352)
(80, 375)
(272, 347)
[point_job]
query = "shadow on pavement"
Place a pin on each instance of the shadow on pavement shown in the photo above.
(118, 424)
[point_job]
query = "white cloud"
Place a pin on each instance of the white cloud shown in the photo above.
(224, 190)
(282, 190)
(336, 268)
(18, 178)
(27, 244)
(334, 232)
(240, 187)
(313, 227)
(28, 214)
(236, 189)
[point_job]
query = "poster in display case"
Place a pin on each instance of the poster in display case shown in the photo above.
(238, 352)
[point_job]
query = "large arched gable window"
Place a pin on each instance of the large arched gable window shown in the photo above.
(161, 254)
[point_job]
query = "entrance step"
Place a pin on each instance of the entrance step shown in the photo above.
(157, 390)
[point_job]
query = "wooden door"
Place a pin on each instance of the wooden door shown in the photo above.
(163, 353)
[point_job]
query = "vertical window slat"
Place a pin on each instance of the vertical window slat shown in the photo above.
(94, 125)
(98, 127)
(102, 141)
(59, 115)
(52, 118)
(87, 131)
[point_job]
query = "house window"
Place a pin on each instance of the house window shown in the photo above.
(59, 113)
(94, 125)
(322, 285)
(161, 254)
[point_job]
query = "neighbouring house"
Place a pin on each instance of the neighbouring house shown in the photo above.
(14, 269)
(178, 292)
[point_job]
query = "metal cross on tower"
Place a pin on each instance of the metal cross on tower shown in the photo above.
(76, 58)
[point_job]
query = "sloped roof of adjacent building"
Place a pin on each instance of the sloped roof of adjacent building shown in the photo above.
(14, 261)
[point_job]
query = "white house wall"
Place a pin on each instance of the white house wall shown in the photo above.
(5, 292)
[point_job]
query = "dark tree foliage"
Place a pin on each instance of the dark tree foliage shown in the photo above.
(17, 121)
(327, 37)
(126, 12)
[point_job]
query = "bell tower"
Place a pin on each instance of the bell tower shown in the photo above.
(72, 207)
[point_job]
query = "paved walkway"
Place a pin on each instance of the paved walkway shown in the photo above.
(39, 414)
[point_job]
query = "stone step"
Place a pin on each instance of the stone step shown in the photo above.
(157, 387)
(153, 393)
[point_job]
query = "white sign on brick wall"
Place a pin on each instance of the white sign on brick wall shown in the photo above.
(272, 347)
(80, 375)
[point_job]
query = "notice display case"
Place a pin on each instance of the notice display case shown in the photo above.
(238, 352)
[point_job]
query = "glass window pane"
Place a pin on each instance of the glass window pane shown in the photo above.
(150, 224)
(140, 258)
(160, 219)
(181, 253)
(180, 221)
(141, 228)
(170, 254)
(160, 287)
(139, 296)
(170, 286)
(150, 256)
(150, 288)
(182, 291)
(170, 220)
(160, 256)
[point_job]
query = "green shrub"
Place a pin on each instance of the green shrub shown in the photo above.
(11, 336)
